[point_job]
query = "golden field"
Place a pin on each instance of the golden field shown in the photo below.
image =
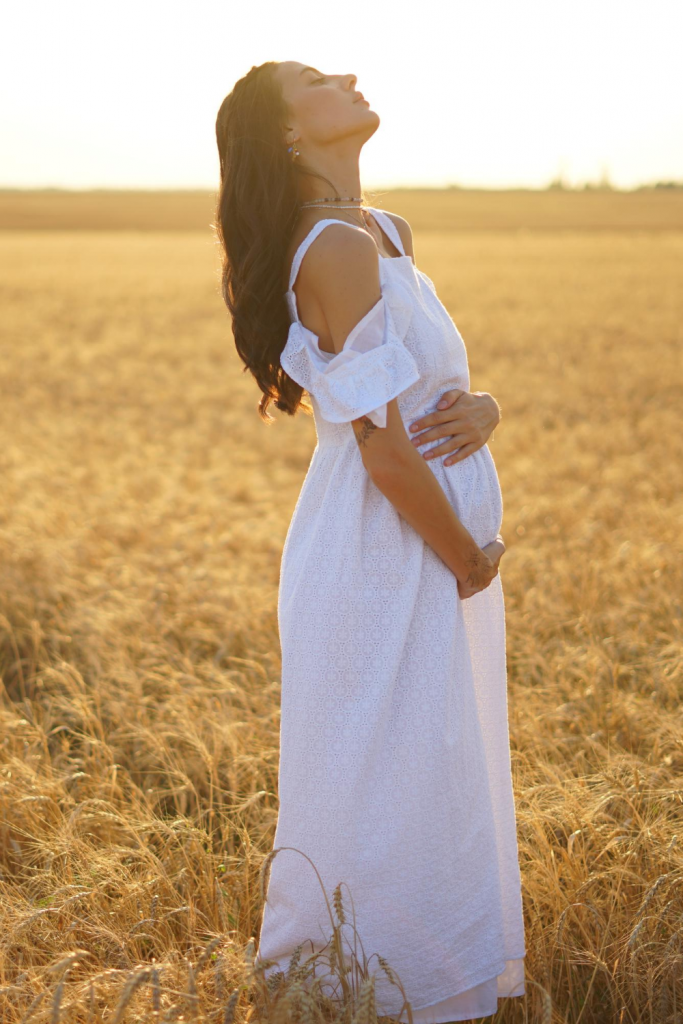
(144, 507)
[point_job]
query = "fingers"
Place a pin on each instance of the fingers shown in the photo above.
(450, 397)
(433, 418)
(463, 452)
(429, 420)
(458, 443)
(451, 444)
(442, 430)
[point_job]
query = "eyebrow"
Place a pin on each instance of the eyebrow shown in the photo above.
(309, 69)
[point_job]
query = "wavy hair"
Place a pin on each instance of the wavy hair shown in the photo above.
(256, 213)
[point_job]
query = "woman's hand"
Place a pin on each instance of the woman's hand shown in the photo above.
(495, 550)
(467, 426)
(483, 568)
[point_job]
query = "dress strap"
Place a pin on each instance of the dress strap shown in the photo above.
(383, 219)
(310, 237)
(388, 227)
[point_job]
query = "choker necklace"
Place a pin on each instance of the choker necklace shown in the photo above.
(339, 203)
(316, 203)
(337, 206)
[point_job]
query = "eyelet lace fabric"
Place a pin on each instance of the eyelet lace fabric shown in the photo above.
(395, 775)
(373, 367)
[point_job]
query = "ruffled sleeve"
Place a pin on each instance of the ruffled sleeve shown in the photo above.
(373, 366)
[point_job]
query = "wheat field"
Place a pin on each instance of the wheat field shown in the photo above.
(144, 507)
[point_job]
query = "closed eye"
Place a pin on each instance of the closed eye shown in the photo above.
(322, 79)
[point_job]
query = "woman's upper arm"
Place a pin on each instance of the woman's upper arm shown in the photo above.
(344, 277)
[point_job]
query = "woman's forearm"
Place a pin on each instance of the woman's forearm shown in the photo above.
(413, 489)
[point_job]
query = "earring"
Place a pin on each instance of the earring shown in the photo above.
(293, 148)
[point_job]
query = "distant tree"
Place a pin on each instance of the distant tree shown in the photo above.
(604, 181)
(558, 182)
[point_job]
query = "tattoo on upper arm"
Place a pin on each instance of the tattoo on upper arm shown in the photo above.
(363, 428)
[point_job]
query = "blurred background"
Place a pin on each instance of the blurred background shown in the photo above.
(537, 151)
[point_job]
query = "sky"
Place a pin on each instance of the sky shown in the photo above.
(476, 93)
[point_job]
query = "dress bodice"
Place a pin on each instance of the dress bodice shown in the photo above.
(421, 355)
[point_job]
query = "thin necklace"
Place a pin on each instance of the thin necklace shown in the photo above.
(337, 203)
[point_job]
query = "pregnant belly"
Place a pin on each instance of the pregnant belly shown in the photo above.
(341, 517)
(473, 488)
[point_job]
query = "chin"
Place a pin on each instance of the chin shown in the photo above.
(370, 112)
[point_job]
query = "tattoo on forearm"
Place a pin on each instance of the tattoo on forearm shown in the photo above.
(363, 428)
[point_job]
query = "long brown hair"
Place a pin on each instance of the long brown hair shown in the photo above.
(256, 213)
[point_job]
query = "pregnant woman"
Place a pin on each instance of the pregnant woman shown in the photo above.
(395, 773)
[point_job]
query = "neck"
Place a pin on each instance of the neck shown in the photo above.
(340, 168)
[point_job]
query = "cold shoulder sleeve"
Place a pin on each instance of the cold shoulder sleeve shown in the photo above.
(373, 366)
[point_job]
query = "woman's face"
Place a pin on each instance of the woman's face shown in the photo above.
(323, 108)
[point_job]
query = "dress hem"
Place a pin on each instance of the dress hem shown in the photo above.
(478, 980)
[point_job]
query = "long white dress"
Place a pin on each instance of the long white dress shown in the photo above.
(395, 773)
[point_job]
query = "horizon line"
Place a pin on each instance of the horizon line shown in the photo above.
(555, 186)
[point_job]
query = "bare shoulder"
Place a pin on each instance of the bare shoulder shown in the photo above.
(342, 256)
(339, 283)
(404, 230)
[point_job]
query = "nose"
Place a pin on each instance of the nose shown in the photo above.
(352, 79)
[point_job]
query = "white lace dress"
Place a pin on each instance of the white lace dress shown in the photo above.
(395, 773)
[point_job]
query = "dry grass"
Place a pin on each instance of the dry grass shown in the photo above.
(647, 209)
(144, 506)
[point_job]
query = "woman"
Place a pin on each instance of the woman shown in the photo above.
(394, 750)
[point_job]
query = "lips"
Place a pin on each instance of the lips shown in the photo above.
(359, 97)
